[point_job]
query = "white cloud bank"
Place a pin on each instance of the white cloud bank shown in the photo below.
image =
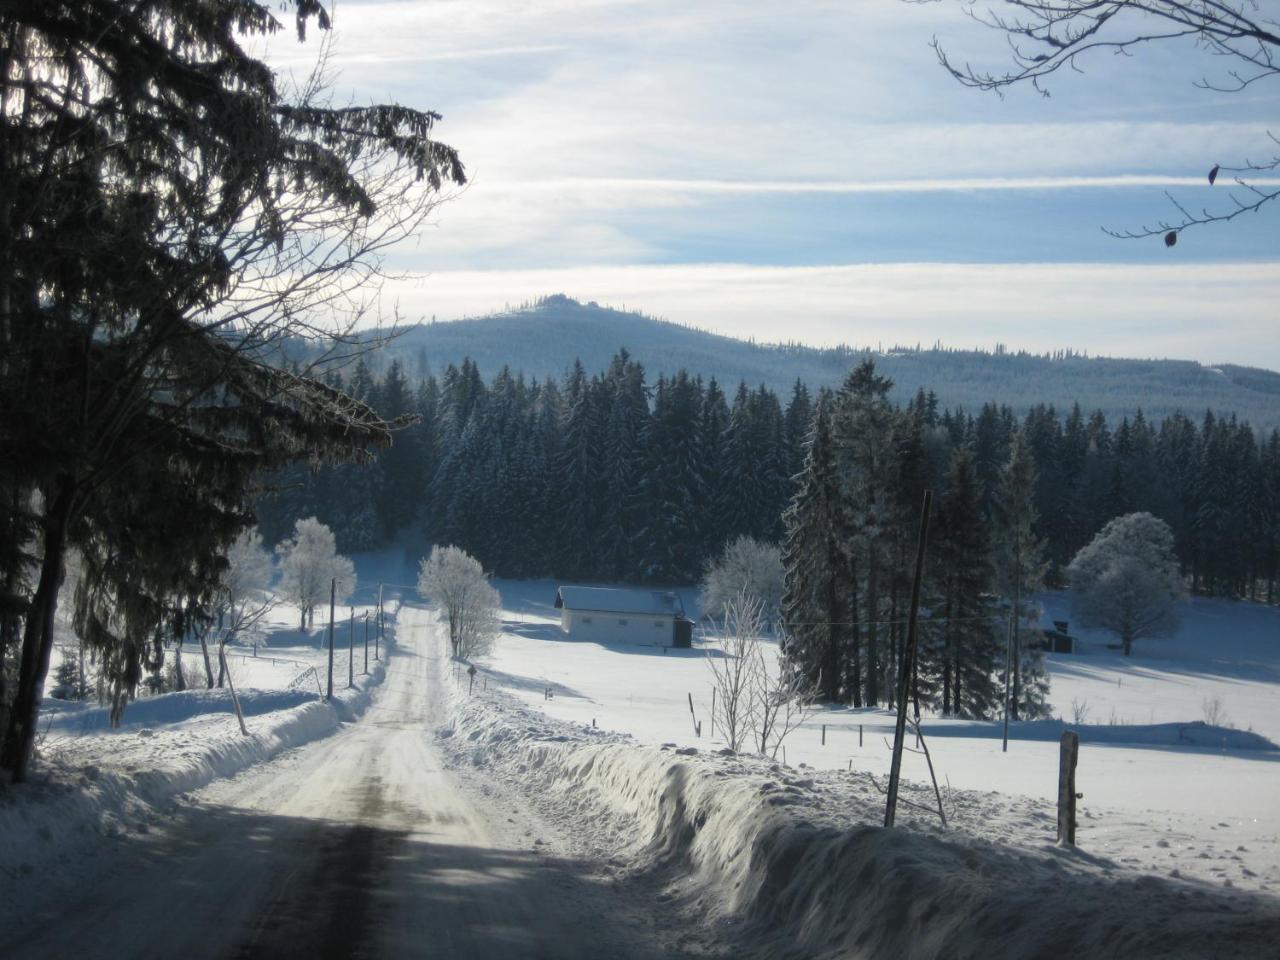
(1214, 313)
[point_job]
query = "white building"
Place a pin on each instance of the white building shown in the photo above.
(623, 615)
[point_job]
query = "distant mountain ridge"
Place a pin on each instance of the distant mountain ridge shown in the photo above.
(542, 341)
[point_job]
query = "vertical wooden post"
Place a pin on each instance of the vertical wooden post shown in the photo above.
(231, 685)
(1068, 753)
(378, 636)
(859, 735)
(333, 591)
(908, 665)
(351, 649)
(366, 641)
(713, 711)
(824, 734)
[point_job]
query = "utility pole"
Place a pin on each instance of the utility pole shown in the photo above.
(378, 636)
(333, 591)
(351, 650)
(366, 642)
(908, 665)
(1010, 660)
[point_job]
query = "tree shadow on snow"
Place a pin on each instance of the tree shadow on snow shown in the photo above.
(226, 882)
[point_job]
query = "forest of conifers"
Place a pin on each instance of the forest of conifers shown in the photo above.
(606, 476)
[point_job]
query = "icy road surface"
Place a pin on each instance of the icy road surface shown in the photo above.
(359, 845)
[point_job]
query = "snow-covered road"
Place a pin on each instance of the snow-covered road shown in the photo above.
(359, 845)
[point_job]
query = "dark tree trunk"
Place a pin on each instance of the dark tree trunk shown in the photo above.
(37, 640)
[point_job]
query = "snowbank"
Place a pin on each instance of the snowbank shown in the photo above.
(798, 858)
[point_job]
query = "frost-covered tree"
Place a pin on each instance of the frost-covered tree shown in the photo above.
(456, 583)
(309, 562)
(746, 566)
(250, 570)
(1126, 580)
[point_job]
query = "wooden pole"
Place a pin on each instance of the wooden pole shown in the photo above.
(378, 636)
(333, 591)
(1068, 753)
(235, 700)
(366, 642)
(908, 665)
(351, 650)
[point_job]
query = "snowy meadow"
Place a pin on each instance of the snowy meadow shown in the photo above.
(1161, 731)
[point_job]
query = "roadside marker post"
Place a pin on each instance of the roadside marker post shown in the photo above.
(908, 665)
(351, 649)
(333, 590)
(377, 637)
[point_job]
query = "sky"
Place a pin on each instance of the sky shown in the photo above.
(808, 172)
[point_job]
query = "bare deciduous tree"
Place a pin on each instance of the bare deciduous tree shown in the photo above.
(1045, 37)
(758, 703)
(733, 672)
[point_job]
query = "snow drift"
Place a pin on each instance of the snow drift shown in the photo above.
(798, 858)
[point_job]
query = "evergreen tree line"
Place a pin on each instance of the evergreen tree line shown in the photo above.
(600, 477)
(610, 477)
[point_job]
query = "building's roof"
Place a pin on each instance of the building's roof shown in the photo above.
(620, 600)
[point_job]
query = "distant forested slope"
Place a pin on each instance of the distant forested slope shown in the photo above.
(543, 340)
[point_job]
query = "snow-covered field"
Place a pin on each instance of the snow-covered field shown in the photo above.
(1162, 791)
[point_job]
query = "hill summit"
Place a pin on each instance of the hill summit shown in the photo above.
(542, 340)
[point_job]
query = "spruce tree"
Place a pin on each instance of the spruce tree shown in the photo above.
(815, 611)
(1020, 569)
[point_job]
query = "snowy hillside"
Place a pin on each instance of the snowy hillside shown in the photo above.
(543, 341)
(1151, 769)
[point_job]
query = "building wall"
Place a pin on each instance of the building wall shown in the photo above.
(603, 627)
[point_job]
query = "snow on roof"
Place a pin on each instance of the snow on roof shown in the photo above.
(619, 600)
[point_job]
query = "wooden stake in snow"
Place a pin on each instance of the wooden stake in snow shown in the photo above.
(333, 590)
(351, 649)
(859, 734)
(377, 637)
(366, 642)
(1068, 753)
(235, 700)
(908, 665)
(824, 734)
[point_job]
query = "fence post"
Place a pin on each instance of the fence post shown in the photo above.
(366, 642)
(1068, 753)
(377, 637)
(824, 734)
(351, 649)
